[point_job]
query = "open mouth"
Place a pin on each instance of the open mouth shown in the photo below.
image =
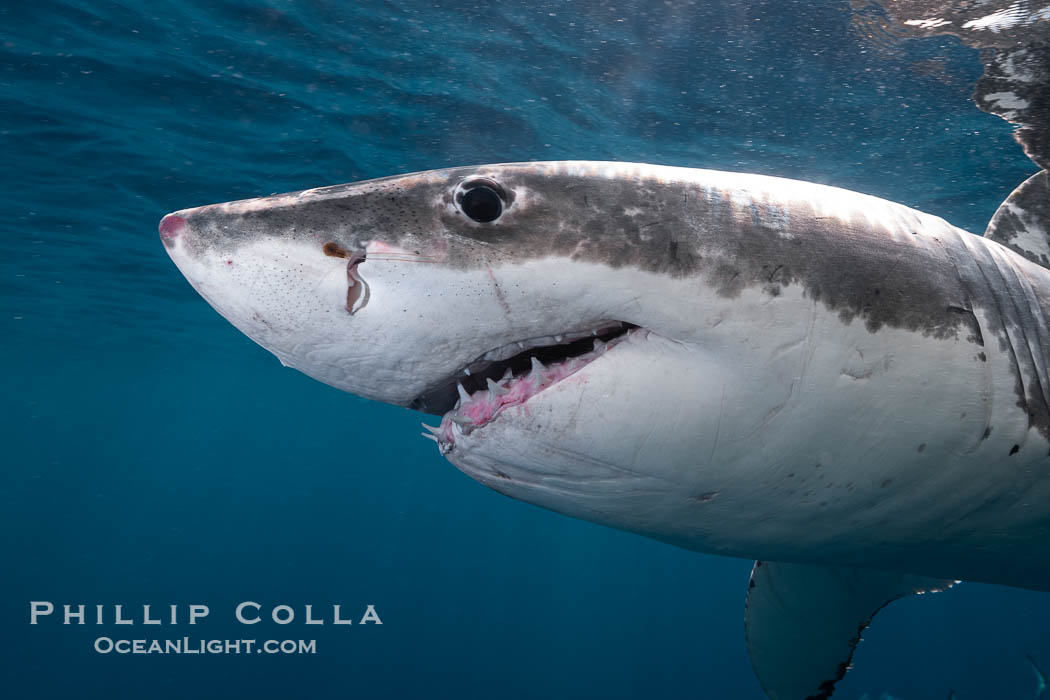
(510, 375)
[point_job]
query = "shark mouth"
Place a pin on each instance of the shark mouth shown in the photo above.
(511, 375)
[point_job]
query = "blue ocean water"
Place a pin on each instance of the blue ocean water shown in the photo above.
(154, 455)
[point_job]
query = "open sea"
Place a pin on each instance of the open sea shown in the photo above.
(152, 454)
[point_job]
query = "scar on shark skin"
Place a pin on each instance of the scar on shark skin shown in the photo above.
(357, 292)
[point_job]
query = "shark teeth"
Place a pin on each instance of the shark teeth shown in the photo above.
(477, 409)
(516, 347)
(496, 388)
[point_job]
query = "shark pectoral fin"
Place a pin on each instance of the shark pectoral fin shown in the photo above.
(803, 622)
(1022, 222)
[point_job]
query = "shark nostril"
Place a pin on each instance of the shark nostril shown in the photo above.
(170, 227)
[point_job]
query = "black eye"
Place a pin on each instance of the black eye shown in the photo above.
(481, 203)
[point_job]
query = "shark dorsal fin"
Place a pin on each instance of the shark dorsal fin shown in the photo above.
(1022, 222)
(804, 622)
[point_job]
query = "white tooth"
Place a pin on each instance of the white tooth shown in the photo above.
(428, 436)
(558, 338)
(466, 371)
(594, 332)
(521, 345)
(537, 366)
(599, 345)
(462, 420)
(463, 395)
(435, 429)
(507, 375)
(496, 389)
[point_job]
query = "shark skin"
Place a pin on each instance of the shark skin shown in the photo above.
(823, 381)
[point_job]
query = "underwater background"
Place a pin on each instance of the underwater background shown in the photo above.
(154, 455)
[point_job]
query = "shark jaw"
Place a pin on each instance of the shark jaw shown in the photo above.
(522, 375)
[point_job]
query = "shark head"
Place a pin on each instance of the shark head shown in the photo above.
(399, 289)
(535, 307)
(618, 342)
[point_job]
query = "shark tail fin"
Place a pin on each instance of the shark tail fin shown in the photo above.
(804, 622)
(1022, 222)
(1040, 678)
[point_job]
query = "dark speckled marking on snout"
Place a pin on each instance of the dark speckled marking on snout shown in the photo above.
(934, 284)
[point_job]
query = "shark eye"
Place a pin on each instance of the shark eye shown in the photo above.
(482, 200)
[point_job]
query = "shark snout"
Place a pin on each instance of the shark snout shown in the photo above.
(170, 227)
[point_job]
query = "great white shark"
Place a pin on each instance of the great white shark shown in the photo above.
(852, 393)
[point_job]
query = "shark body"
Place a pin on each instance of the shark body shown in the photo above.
(853, 393)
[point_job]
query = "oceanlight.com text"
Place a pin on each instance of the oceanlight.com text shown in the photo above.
(186, 645)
